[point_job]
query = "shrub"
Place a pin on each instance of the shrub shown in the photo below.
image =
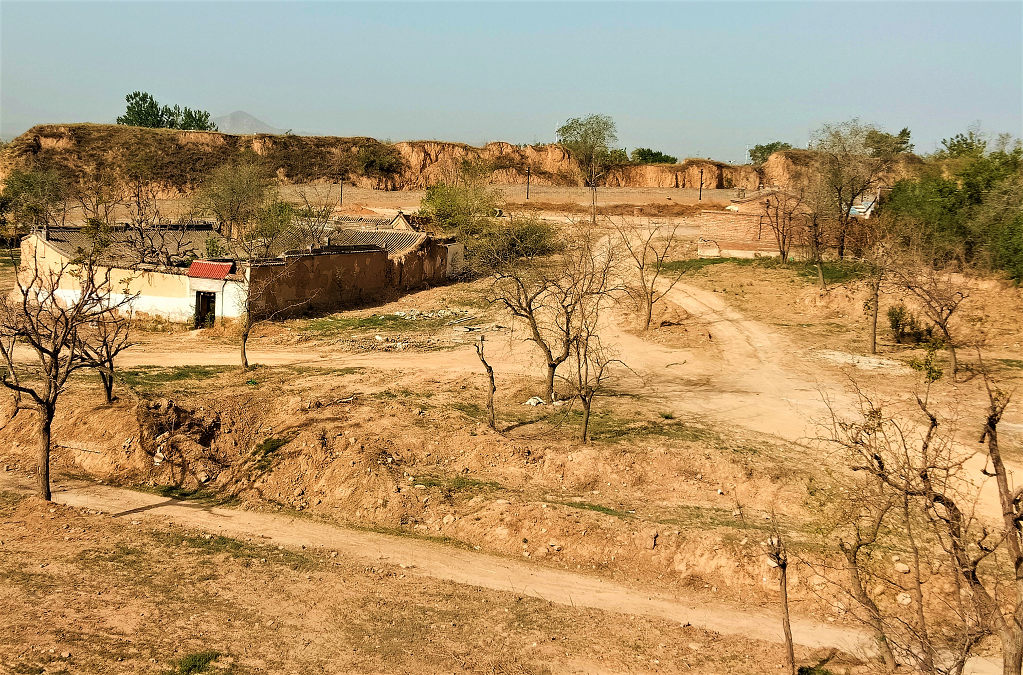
(906, 327)
(199, 662)
(497, 242)
(379, 160)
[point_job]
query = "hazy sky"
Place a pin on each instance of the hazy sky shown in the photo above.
(693, 79)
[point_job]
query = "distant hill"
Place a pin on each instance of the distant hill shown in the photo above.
(241, 123)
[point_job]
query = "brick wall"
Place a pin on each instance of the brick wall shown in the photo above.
(729, 234)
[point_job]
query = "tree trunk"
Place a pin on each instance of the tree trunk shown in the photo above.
(820, 276)
(873, 313)
(952, 354)
(873, 613)
(587, 402)
(549, 387)
(108, 384)
(922, 633)
(492, 389)
(245, 341)
(786, 623)
(45, 422)
(1012, 653)
(648, 315)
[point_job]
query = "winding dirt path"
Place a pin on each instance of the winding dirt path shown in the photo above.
(424, 558)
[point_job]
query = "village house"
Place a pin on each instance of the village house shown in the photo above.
(190, 273)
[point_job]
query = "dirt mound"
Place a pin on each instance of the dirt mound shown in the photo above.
(183, 158)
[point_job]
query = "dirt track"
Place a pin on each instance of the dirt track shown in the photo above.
(443, 562)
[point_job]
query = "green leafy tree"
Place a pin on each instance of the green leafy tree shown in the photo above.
(36, 198)
(648, 156)
(965, 209)
(883, 144)
(465, 206)
(758, 154)
(144, 111)
(591, 140)
(235, 194)
(970, 144)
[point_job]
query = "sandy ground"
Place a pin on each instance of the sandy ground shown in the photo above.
(422, 558)
(85, 592)
(739, 363)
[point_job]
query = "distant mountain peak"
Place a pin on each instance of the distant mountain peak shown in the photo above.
(241, 122)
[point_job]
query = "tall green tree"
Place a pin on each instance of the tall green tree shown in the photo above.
(966, 207)
(883, 144)
(649, 156)
(36, 198)
(591, 141)
(236, 194)
(144, 111)
(758, 154)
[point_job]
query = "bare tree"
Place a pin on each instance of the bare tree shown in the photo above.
(649, 249)
(548, 295)
(314, 217)
(492, 384)
(142, 191)
(260, 300)
(870, 508)
(163, 245)
(850, 166)
(1008, 625)
(929, 509)
(940, 293)
(105, 339)
(778, 557)
(783, 212)
(591, 360)
(99, 192)
(49, 314)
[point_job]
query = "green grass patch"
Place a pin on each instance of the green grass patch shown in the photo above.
(459, 484)
(609, 428)
(382, 323)
(393, 394)
(152, 376)
(196, 662)
(10, 257)
(599, 508)
(695, 264)
(201, 494)
(836, 272)
(1011, 363)
(324, 370)
(266, 452)
(839, 272)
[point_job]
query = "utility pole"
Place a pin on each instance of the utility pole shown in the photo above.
(701, 185)
(527, 183)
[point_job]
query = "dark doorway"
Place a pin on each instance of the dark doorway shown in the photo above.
(205, 309)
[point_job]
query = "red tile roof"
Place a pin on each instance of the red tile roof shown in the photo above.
(204, 269)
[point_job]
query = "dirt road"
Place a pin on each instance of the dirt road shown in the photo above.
(424, 558)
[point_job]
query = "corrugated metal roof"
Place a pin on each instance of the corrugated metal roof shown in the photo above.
(395, 242)
(178, 245)
(208, 269)
(132, 247)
